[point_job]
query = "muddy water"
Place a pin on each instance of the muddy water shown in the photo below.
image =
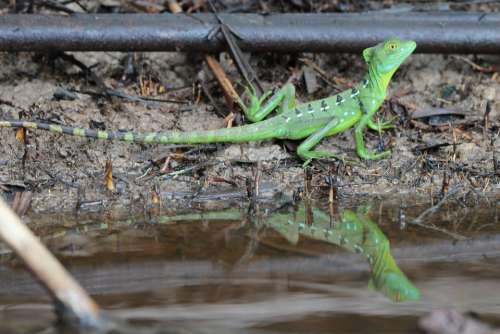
(226, 273)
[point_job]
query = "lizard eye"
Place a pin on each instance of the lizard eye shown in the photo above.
(392, 46)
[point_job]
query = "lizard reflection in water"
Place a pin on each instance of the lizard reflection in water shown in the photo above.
(354, 231)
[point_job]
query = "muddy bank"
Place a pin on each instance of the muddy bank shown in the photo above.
(65, 173)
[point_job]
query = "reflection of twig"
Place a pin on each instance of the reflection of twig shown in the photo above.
(435, 207)
(250, 249)
(419, 220)
(66, 291)
(442, 230)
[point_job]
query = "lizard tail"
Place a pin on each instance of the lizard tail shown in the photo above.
(244, 133)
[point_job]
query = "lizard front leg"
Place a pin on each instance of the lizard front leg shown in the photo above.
(283, 98)
(360, 142)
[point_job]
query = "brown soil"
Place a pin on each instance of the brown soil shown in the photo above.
(66, 173)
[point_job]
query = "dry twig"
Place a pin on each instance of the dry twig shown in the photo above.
(45, 267)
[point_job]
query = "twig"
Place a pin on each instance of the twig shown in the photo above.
(475, 66)
(227, 87)
(56, 6)
(134, 98)
(188, 169)
(486, 115)
(22, 202)
(44, 266)
(241, 62)
(323, 75)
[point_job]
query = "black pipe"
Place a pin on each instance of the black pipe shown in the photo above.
(440, 32)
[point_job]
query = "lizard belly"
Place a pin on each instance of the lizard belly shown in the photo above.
(300, 129)
(347, 114)
(346, 123)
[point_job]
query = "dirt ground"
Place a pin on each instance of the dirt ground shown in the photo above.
(447, 111)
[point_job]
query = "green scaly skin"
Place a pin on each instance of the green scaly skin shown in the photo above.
(311, 121)
(354, 232)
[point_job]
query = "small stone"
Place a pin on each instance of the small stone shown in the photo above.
(489, 93)
(470, 152)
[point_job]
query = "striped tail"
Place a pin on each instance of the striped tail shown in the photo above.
(251, 132)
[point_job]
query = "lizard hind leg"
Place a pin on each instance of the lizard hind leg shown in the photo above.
(305, 149)
(283, 99)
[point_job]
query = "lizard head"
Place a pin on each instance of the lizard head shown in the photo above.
(387, 56)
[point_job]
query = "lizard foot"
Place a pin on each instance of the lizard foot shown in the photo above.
(367, 155)
(383, 124)
(255, 103)
(311, 155)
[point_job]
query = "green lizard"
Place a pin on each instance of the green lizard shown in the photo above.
(354, 232)
(313, 121)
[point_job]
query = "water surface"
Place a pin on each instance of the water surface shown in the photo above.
(235, 274)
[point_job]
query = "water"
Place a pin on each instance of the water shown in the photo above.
(227, 274)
